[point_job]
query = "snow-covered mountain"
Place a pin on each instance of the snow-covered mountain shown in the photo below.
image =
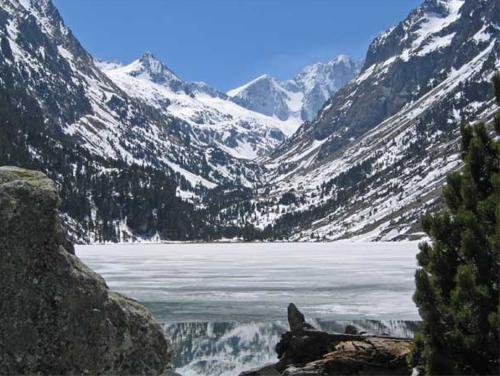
(81, 102)
(377, 154)
(140, 153)
(212, 117)
(301, 97)
(123, 164)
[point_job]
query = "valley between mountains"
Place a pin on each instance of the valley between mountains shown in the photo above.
(344, 149)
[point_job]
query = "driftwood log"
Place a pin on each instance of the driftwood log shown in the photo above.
(307, 351)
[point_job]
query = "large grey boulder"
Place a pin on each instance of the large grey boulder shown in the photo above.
(56, 315)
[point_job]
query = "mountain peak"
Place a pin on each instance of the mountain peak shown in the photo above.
(149, 67)
(331, 67)
(150, 59)
(300, 97)
(343, 59)
(428, 28)
(264, 77)
(442, 6)
(149, 55)
(156, 69)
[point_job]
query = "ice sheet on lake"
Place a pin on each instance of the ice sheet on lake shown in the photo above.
(255, 281)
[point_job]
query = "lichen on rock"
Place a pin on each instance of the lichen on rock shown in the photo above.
(56, 315)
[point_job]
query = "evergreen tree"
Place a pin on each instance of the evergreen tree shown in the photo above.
(457, 283)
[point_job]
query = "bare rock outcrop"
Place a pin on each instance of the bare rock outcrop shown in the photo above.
(56, 315)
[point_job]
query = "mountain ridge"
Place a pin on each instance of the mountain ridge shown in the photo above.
(376, 156)
(212, 118)
(300, 97)
(140, 154)
(125, 170)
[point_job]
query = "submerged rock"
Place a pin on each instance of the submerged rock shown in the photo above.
(305, 351)
(56, 315)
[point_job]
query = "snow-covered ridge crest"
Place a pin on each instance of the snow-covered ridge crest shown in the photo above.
(432, 25)
(148, 67)
(423, 31)
(45, 14)
(301, 97)
(242, 89)
(212, 117)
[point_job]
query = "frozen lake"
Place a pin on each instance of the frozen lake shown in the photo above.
(256, 281)
(224, 305)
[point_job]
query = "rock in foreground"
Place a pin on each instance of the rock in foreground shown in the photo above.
(305, 351)
(56, 315)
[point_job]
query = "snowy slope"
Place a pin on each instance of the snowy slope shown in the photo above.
(91, 135)
(301, 97)
(377, 154)
(370, 162)
(268, 96)
(104, 119)
(213, 118)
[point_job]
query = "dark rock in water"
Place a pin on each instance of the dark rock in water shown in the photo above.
(305, 351)
(303, 347)
(351, 329)
(56, 315)
(296, 319)
(302, 343)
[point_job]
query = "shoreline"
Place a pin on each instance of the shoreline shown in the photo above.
(195, 242)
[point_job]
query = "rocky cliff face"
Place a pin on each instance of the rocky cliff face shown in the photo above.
(320, 81)
(56, 315)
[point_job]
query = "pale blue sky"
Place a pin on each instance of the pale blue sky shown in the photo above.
(229, 42)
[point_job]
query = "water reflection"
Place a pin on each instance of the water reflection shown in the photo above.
(228, 348)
